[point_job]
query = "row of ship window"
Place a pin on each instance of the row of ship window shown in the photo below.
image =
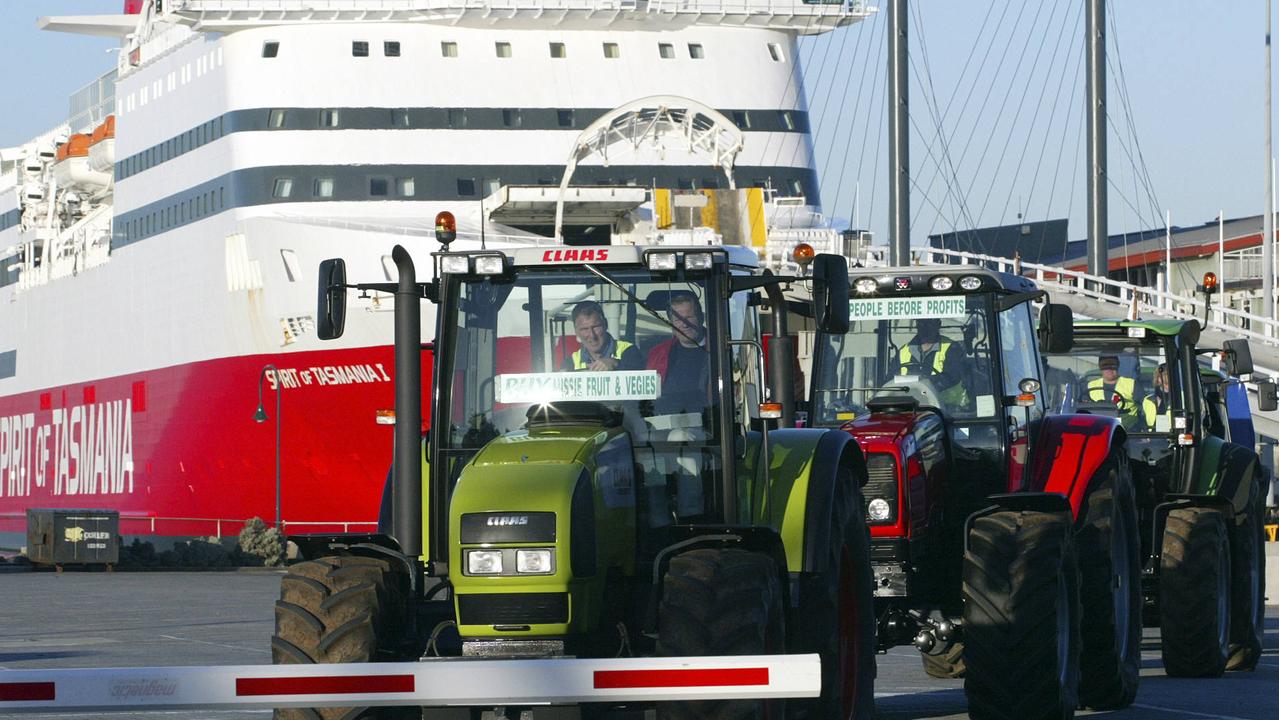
(197, 136)
(192, 208)
(501, 49)
(283, 188)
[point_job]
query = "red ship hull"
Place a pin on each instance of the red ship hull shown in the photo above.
(177, 450)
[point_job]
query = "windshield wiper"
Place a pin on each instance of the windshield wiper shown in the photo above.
(603, 276)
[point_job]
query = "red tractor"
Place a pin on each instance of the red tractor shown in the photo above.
(1004, 540)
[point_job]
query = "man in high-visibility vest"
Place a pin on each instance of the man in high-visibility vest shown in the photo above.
(1111, 387)
(1159, 403)
(931, 356)
(599, 350)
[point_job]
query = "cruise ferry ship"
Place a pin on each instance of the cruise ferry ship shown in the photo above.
(159, 249)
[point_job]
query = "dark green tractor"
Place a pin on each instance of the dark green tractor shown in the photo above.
(1199, 481)
(558, 510)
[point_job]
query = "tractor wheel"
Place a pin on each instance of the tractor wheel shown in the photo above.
(842, 596)
(721, 601)
(340, 609)
(1110, 592)
(1021, 617)
(1194, 593)
(1248, 587)
(948, 665)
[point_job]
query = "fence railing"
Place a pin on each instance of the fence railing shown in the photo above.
(131, 524)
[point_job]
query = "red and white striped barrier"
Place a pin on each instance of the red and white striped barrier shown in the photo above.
(440, 682)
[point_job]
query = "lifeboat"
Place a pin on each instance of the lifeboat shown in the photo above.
(102, 146)
(71, 166)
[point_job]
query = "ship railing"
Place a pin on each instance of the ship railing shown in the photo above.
(138, 524)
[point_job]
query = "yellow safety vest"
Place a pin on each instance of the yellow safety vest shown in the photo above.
(955, 395)
(621, 347)
(1126, 387)
(1151, 411)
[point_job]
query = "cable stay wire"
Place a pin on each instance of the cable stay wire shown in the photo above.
(849, 131)
(1070, 28)
(1074, 99)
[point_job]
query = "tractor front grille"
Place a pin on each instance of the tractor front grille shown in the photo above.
(512, 609)
(881, 468)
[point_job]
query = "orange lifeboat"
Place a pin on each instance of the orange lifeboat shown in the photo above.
(102, 146)
(71, 167)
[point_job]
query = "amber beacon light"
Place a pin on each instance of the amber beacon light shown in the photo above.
(445, 228)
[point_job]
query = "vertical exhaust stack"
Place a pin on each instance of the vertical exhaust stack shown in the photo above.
(406, 490)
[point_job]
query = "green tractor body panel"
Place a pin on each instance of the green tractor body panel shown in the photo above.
(1208, 479)
(569, 490)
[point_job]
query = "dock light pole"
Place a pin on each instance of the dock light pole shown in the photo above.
(261, 416)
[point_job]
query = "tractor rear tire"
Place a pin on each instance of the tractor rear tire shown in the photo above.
(1021, 617)
(1248, 586)
(843, 597)
(948, 665)
(1194, 593)
(721, 601)
(341, 609)
(1110, 592)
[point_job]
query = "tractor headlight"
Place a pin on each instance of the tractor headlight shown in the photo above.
(941, 283)
(865, 286)
(489, 265)
(533, 561)
(970, 282)
(661, 261)
(455, 264)
(484, 562)
(878, 510)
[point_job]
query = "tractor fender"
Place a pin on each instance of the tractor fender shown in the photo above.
(802, 488)
(1226, 471)
(1066, 452)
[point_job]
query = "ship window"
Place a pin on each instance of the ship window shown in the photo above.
(558, 50)
(378, 186)
(400, 117)
(457, 117)
(503, 49)
(684, 183)
(742, 119)
(448, 48)
(322, 188)
(666, 51)
(796, 187)
(465, 187)
(283, 188)
(405, 187)
(611, 51)
(492, 185)
(511, 117)
(329, 118)
(277, 118)
(775, 52)
(359, 48)
(788, 119)
(564, 118)
(270, 49)
(695, 51)
(391, 48)
(710, 183)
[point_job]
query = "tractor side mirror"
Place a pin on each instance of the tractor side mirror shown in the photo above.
(1056, 328)
(1240, 355)
(331, 299)
(830, 293)
(1267, 400)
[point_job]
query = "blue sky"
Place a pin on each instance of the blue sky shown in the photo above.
(1193, 71)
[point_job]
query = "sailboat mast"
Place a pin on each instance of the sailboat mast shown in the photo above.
(1095, 26)
(898, 140)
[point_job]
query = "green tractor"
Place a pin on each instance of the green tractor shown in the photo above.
(556, 509)
(1199, 482)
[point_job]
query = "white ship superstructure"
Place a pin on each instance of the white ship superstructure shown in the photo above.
(161, 247)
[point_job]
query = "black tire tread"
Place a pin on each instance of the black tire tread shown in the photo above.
(1188, 583)
(1247, 600)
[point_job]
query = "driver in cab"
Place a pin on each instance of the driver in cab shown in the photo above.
(598, 350)
(682, 361)
(934, 358)
(1112, 387)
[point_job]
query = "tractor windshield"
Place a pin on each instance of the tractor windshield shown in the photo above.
(935, 349)
(624, 347)
(1127, 378)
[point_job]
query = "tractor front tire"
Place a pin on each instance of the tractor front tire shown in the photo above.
(1110, 592)
(842, 596)
(1021, 617)
(1194, 593)
(1247, 586)
(721, 601)
(341, 609)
